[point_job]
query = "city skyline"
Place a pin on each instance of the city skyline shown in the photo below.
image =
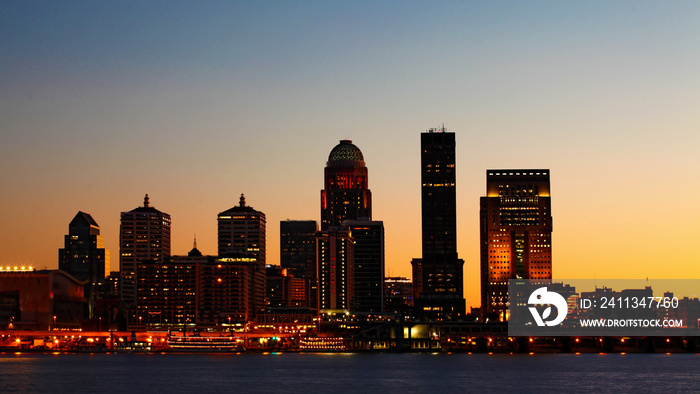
(99, 106)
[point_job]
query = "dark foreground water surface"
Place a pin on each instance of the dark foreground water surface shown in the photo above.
(368, 373)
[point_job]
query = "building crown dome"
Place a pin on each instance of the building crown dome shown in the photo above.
(346, 153)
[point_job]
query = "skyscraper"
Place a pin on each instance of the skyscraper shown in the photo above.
(237, 280)
(298, 255)
(346, 206)
(368, 266)
(334, 254)
(144, 234)
(298, 247)
(438, 274)
(85, 257)
(516, 234)
(345, 194)
(242, 230)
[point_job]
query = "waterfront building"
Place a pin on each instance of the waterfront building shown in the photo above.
(438, 275)
(398, 295)
(231, 290)
(346, 208)
(368, 264)
(85, 257)
(335, 259)
(688, 311)
(144, 234)
(298, 256)
(168, 291)
(276, 286)
(298, 247)
(198, 290)
(241, 229)
(283, 290)
(40, 300)
(516, 235)
(295, 319)
(300, 293)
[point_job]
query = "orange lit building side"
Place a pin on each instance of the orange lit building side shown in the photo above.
(516, 234)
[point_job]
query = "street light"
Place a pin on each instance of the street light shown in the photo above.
(140, 317)
(100, 323)
(54, 322)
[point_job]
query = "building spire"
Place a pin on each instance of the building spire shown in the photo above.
(242, 200)
(194, 252)
(145, 201)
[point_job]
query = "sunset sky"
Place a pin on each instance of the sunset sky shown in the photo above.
(195, 103)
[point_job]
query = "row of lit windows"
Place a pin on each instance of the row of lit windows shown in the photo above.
(517, 173)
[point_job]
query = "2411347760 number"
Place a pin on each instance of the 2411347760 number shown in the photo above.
(636, 302)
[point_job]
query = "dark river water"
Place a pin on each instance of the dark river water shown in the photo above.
(340, 373)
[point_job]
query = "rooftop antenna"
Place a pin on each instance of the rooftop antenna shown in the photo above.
(595, 284)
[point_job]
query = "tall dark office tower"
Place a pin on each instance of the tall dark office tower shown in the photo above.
(144, 234)
(85, 257)
(298, 247)
(438, 275)
(298, 255)
(516, 234)
(368, 264)
(345, 194)
(242, 230)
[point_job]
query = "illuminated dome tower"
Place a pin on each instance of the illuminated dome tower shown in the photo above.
(345, 195)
